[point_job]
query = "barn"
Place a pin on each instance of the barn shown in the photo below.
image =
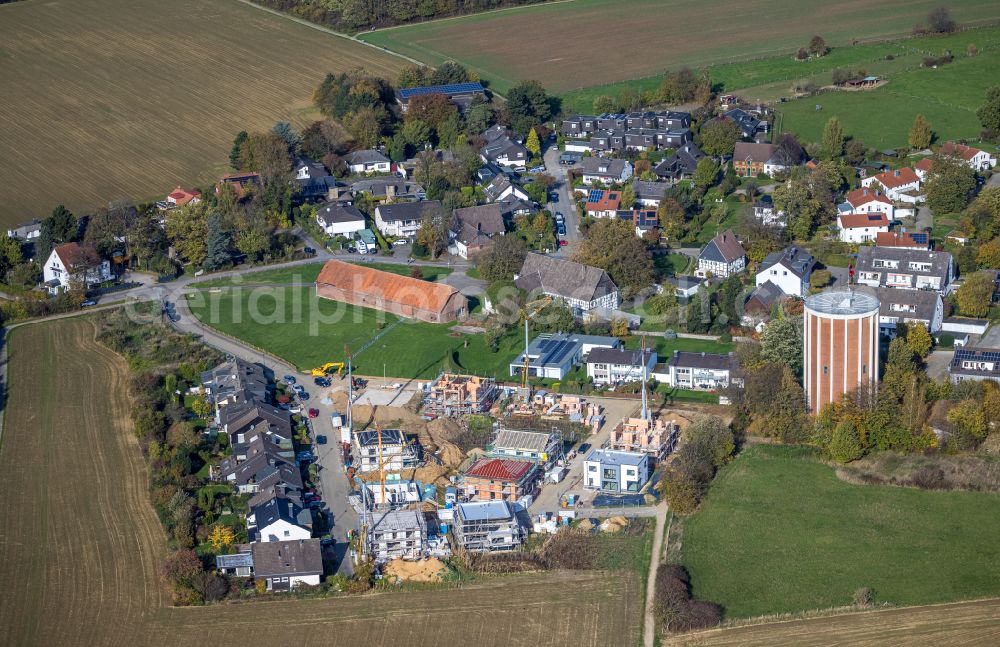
(392, 293)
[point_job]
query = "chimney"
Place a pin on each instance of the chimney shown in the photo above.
(896, 172)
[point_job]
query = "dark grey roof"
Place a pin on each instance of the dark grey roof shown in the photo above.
(564, 278)
(504, 146)
(941, 262)
(766, 294)
(724, 248)
(798, 261)
(367, 156)
(593, 165)
(299, 557)
(620, 356)
(649, 190)
(274, 510)
(924, 302)
(313, 168)
(969, 353)
(704, 360)
(234, 375)
(339, 213)
(401, 211)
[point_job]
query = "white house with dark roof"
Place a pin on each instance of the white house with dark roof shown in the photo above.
(788, 269)
(580, 287)
(607, 366)
(278, 520)
(649, 194)
(698, 371)
(975, 363)
(368, 161)
(500, 188)
(402, 219)
(723, 256)
(605, 170)
(685, 287)
(284, 565)
(903, 268)
(26, 231)
(681, 164)
(909, 306)
(306, 168)
(336, 219)
(503, 150)
(473, 228)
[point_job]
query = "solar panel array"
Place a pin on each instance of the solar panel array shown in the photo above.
(595, 195)
(553, 351)
(980, 355)
(455, 88)
(920, 239)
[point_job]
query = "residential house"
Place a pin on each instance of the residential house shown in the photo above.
(71, 263)
(269, 461)
(667, 119)
(242, 183)
(397, 453)
(337, 219)
(615, 472)
(180, 197)
(457, 395)
(367, 161)
(460, 94)
(602, 204)
(909, 306)
(397, 534)
(909, 240)
(234, 376)
(899, 185)
(553, 355)
(758, 305)
(246, 418)
(788, 269)
(318, 189)
(472, 229)
(487, 526)
(910, 269)
(278, 520)
(504, 151)
(285, 565)
(605, 170)
(239, 564)
(578, 125)
(685, 287)
(500, 479)
(649, 194)
(865, 200)
(403, 219)
(26, 231)
(388, 188)
(766, 213)
(305, 168)
(723, 256)
(681, 164)
(751, 160)
(403, 296)
(643, 220)
(975, 363)
(579, 286)
(610, 366)
(537, 447)
(699, 371)
(651, 435)
(861, 227)
(749, 125)
(975, 158)
(500, 187)
(651, 139)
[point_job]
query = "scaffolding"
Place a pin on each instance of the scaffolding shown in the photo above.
(487, 526)
(397, 534)
(458, 395)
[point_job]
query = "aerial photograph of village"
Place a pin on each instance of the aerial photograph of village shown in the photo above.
(499, 323)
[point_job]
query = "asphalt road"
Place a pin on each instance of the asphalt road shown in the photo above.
(565, 204)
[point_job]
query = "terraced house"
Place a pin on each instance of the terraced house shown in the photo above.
(906, 269)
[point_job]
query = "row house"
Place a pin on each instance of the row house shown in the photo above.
(903, 268)
(909, 306)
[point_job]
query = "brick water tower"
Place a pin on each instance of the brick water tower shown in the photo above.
(840, 345)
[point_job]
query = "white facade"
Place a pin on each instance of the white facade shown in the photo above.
(55, 270)
(906, 313)
(606, 178)
(370, 167)
(692, 378)
(398, 228)
(608, 373)
(340, 228)
(858, 235)
(894, 193)
(721, 269)
(789, 282)
(282, 530)
(615, 471)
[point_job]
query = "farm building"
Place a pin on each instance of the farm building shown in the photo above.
(581, 287)
(487, 526)
(399, 295)
(455, 395)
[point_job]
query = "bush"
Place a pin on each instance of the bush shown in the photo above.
(864, 597)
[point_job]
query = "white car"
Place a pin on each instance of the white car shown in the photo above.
(401, 242)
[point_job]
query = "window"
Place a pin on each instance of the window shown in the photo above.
(864, 369)
(826, 370)
(287, 533)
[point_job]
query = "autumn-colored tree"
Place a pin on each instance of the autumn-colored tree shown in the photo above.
(671, 218)
(221, 537)
(974, 296)
(989, 255)
(533, 145)
(918, 340)
(432, 109)
(619, 328)
(920, 133)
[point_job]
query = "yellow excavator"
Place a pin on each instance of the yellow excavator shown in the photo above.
(328, 368)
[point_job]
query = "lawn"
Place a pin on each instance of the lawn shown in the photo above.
(307, 274)
(778, 532)
(292, 323)
(672, 264)
(947, 97)
(141, 96)
(666, 347)
(567, 46)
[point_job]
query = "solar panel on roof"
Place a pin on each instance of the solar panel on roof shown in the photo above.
(561, 352)
(595, 195)
(455, 88)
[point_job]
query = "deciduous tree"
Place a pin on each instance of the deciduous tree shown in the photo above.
(974, 296)
(612, 245)
(503, 260)
(989, 112)
(845, 446)
(719, 137)
(705, 173)
(949, 184)
(920, 133)
(833, 138)
(221, 537)
(781, 342)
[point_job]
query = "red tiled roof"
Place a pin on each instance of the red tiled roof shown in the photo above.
(897, 239)
(923, 165)
(864, 195)
(610, 201)
(498, 469)
(960, 150)
(74, 254)
(387, 286)
(852, 220)
(182, 196)
(899, 177)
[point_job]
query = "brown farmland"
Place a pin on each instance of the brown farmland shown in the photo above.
(105, 99)
(79, 542)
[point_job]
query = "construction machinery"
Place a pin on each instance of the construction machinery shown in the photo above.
(328, 368)
(527, 313)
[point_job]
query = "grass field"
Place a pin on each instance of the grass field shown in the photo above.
(778, 532)
(307, 274)
(139, 95)
(81, 541)
(586, 43)
(308, 331)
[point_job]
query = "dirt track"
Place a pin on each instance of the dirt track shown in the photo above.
(960, 623)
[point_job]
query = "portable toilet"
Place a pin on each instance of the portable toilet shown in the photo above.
(450, 495)
(444, 529)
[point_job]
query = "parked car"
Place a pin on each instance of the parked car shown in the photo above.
(559, 216)
(303, 457)
(296, 387)
(553, 197)
(321, 440)
(400, 242)
(584, 448)
(309, 250)
(303, 396)
(88, 303)
(560, 229)
(537, 169)
(288, 379)
(314, 413)
(322, 381)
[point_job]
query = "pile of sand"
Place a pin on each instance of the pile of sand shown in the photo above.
(614, 524)
(426, 570)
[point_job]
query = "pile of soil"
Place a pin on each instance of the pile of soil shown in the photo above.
(425, 570)
(614, 524)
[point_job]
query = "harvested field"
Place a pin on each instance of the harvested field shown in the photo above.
(966, 623)
(576, 44)
(127, 98)
(81, 541)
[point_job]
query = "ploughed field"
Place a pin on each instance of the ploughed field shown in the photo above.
(106, 99)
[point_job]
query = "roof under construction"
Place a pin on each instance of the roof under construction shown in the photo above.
(527, 440)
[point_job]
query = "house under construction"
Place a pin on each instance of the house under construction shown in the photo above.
(457, 395)
(397, 453)
(487, 526)
(654, 437)
(397, 534)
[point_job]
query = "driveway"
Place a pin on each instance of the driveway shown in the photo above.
(565, 205)
(925, 219)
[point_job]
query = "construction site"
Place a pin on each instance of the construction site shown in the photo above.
(459, 395)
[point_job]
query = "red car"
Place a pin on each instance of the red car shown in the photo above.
(314, 413)
(562, 243)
